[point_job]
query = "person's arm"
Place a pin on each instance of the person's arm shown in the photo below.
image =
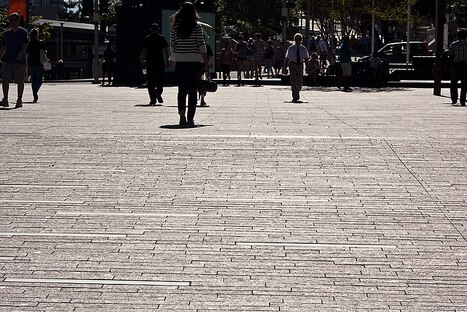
(2, 51)
(20, 54)
(166, 56)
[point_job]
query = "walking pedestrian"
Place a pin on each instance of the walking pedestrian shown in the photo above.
(314, 68)
(108, 64)
(242, 51)
(346, 64)
(458, 56)
(296, 56)
(269, 59)
(12, 53)
(156, 54)
(323, 52)
(202, 95)
(35, 50)
(226, 62)
(279, 54)
(257, 57)
(190, 56)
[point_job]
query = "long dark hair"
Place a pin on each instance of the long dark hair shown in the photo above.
(186, 19)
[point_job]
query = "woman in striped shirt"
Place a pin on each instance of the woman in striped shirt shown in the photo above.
(190, 56)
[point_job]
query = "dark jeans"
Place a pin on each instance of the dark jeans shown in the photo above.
(155, 81)
(188, 74)
(36, 73)
(458, 72)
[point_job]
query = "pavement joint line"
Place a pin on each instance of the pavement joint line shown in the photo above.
(125, 214)
(43, 186)
(314, 245)
(260, 199)
(41, 201)
(97, 281)
(260, 136)
(63, 234)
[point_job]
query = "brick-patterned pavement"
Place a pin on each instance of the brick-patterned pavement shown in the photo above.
(347, 202)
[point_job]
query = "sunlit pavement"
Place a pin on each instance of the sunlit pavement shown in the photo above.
(347, 201)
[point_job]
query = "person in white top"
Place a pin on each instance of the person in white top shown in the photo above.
(189, 53)
(296, 57)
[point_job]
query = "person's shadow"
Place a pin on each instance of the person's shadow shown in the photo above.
(177, 126)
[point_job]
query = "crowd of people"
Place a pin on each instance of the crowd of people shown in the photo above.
(193, 58)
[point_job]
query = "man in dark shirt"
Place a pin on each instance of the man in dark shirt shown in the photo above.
(458, 55)
(156, 54)
(12, 53)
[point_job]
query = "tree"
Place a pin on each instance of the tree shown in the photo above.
(248, 17)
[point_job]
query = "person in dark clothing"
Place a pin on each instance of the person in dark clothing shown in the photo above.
(108, 65)
(156, 54)
(458, 56)
(12, 53)
(35, 48)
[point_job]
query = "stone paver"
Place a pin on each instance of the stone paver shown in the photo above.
(347, 202)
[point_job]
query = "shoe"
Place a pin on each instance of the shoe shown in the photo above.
(203, 103)
(4, 103)
(190, 123)
(160, 99)
(347, 89)
(152, 103)
(182, 121)
(19, 103)
(36, 98)
(462, 104)
(453, 102)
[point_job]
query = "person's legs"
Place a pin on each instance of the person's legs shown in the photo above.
(18, 75)
(151, 84)
(294, 81)
(6, 78)
(194, 75)
(453, 85)
(463, 84)
(159, 84)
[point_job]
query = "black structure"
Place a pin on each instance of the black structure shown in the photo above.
(134, 17)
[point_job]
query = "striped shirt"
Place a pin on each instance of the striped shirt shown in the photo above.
(189, 49)
(458, 51)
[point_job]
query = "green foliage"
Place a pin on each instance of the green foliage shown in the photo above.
(247, 17)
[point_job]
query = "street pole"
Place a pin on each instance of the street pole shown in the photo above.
(96, 41)
(285, 14)
(438, 67)
(61, 40)
(373, 30)
(407, 55)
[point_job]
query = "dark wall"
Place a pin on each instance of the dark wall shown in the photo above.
(134, 17)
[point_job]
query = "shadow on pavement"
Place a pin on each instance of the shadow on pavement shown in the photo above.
(177, 126)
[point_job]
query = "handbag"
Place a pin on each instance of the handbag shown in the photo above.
(44, 60)
(206, 85)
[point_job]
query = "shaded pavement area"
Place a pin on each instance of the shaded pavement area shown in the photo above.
(346, 202)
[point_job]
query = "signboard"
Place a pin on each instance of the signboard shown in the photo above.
(18, 6)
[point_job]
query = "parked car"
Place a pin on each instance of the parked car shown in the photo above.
(396, 52)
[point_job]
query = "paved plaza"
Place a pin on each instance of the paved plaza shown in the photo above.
(346, 202)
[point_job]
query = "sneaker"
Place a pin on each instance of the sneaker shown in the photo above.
(203, 103)
(36, 98)
(160, 99)
(190, 123)
(4, 103)
(19, 103)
